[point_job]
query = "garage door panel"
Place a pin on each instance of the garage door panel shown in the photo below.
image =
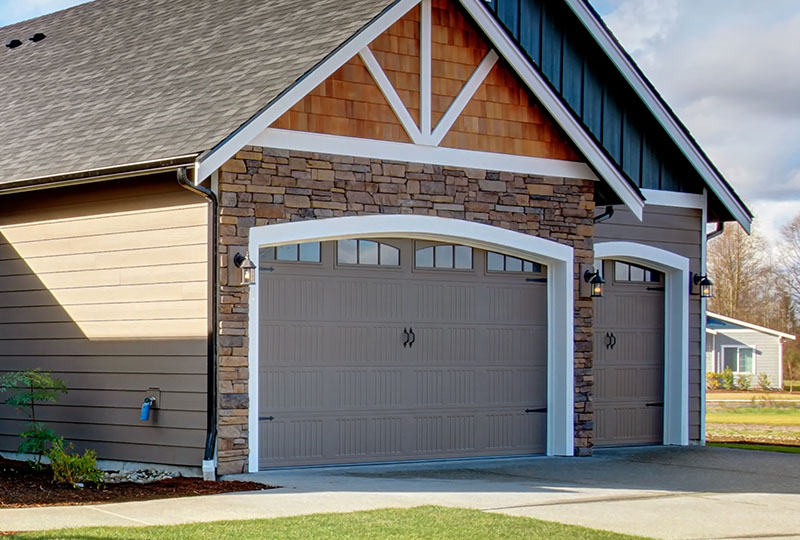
(524, 345)
(629, 383)
(367, 388)
(281, 390)
(445, 344)
(291, 298)
(441, 302)
(445, 386)
(370, 300)
(517, 387)
(622, 424)
(518, 303)
(516, 431)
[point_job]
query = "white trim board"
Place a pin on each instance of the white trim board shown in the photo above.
(673, 198)
(660, 111)
(747, 326)
(676, 328)
(252, 132)
(435, 155)
(560, 322)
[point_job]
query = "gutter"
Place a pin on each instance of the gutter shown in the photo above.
(209, 456)
(720, 229)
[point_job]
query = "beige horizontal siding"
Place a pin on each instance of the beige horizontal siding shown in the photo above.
(678, 230)
(106, 286)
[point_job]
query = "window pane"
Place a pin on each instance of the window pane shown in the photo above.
(494, 262)
(367, 252)
(746, 360)
(287, 253)
(513, 264)
(390, 256)
(424, 258)
(621, 271)
(309, 252)
(637, 274)
(527, 266)
(347, 251)
(464, 257)
(729, 358)
(536, 267)
(444, 256)
(266, 254)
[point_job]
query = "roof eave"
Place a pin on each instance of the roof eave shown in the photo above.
(750, 326)
(679, 134)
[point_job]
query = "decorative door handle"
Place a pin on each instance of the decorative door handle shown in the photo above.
(405, 342)
(611, 340)
(413, 337)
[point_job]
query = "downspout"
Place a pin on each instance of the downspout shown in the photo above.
(719, 231)
(608, 214)
(209, 467)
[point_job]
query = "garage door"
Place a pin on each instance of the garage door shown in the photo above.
(629, 356)
(399, 349)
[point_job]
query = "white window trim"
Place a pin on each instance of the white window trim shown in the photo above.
(560, 306)
(738, 358)
(676, 328)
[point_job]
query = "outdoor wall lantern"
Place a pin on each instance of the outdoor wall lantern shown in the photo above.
(595, 281)
(705, 286)
(247, 267)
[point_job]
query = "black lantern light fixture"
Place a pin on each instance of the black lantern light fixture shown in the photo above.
(595, 281)
(705, 286)
(247, 267)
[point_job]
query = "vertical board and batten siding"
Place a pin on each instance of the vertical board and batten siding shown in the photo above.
(767, 348)
(105, 286)
(558, 44)
(678, 230)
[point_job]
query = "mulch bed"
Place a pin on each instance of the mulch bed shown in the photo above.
(22, 486)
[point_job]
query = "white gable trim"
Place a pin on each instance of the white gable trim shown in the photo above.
(563, 117)
(253, 130)
(244, 135)
(751, 326)
(557, 257)
(659, 109)
(676, 328)
(414, 153)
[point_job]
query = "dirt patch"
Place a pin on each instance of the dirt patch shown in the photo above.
(22, 486)
(753, 433)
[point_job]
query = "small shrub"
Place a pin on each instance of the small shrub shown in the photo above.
(727, 379)
(712, 380)
(744, 381)
(764, 383)
(73, 469)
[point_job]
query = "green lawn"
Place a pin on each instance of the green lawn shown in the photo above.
(425, 522)
(764, 447)
(771, 416)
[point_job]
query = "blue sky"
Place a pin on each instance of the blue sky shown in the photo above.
(729, 68)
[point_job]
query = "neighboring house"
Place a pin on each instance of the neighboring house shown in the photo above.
(745, 348)
(423, 186)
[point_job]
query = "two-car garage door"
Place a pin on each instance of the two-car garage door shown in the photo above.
(399, 349)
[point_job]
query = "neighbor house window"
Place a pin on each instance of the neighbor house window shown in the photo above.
(307, 252)
(447, 256)
(497, 262)
(738, 359)
(367, 252)
(631, 272)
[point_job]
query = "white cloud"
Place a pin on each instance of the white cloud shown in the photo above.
(730, 71)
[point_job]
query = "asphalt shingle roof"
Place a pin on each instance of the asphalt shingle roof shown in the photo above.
(123, 81)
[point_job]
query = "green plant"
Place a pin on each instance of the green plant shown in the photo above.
(744, 381)
(764, 382)
(73, 468)
(712, 381)
(727, 379)
(27, 388)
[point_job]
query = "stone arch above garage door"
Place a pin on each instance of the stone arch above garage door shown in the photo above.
(557, 257)
(676, 328)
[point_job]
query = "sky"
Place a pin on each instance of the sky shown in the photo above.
(730, 69)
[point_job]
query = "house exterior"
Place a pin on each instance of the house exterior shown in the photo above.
(425, 188)
(745, 348)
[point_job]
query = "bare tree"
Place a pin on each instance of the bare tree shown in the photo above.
(743, 278)
(790, 257)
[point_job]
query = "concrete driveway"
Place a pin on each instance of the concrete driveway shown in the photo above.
(692, 492)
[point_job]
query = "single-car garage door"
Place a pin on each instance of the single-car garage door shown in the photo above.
(629, 356)
(399, 349)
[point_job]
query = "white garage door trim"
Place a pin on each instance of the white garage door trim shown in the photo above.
(557, 257)
(676, 328)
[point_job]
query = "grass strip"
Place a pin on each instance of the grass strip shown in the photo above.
(762, 447)
(424, 522)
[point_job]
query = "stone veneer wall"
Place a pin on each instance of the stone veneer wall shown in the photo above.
(263, 186)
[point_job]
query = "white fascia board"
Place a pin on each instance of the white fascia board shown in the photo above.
(244, 135)
(552, 103)
(673, 198)
(747, 325)
(658, 108)
(435, 155)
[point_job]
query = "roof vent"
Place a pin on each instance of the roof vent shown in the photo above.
(13, 44)
(38, 36)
